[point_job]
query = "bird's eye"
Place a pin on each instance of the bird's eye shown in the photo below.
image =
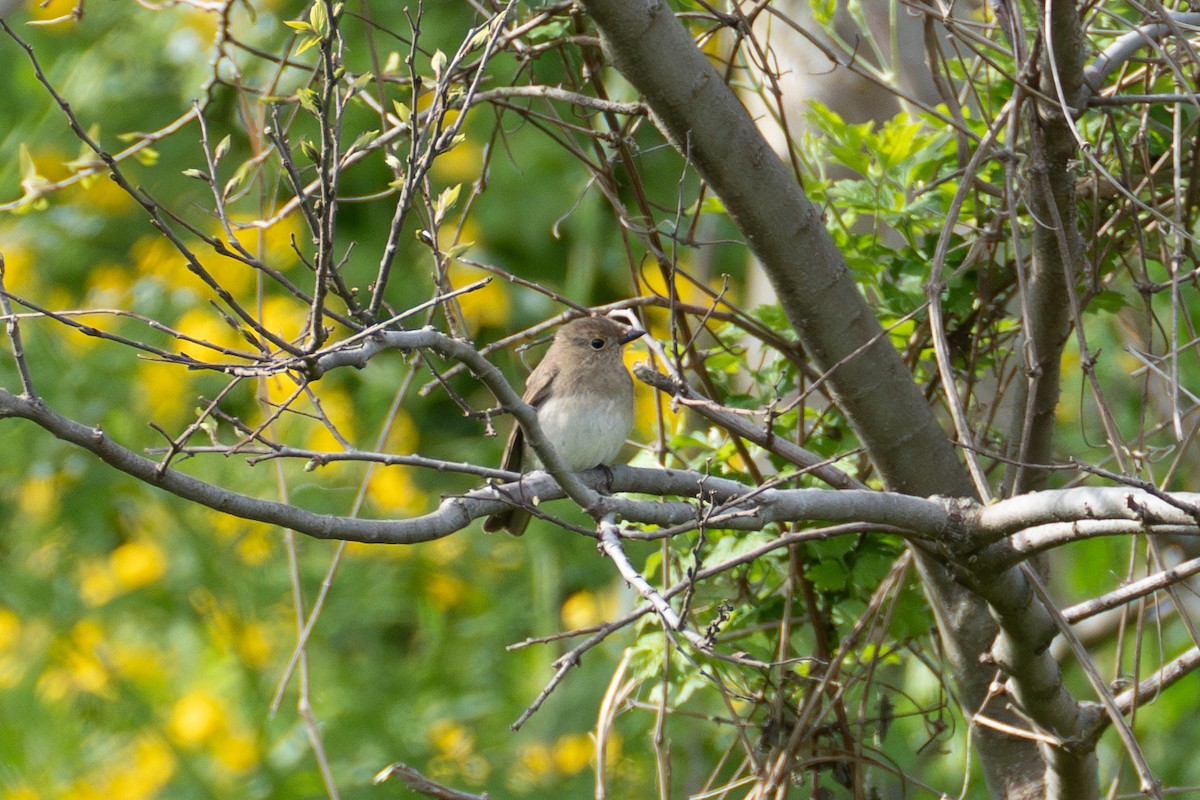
(597, 343)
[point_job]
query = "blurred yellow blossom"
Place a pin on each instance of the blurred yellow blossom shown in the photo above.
(136, 564)
(647, 401)
(196, 718)
(79, 668)
(280, 388)
(108, 285)
(143, 772)
(97, 584)
(340, 412)
(451, 739)
(586, 608)
(236, 752)
(488, 306)
(273, 245)
(205, 325)
(254, 645)
(685, 289)
(53, 9)
(446, 550)
(456, 752)
(154, 256)
(394, 492)
(38, 496)
(98, 193)
(10, 629)
(459, 164)
(537, 759)
(21, 791)
(581, 610)
(257, 545)
(20, 273)
(136, 662)
(286, 317)
(162, 389)
(11, 664)
(402, 436)
(445, 591)
(573, 752)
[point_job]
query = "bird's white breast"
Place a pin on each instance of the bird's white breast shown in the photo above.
(586, 429)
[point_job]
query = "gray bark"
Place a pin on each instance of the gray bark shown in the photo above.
(700, 115)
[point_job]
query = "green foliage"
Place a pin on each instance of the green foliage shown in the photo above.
(143, 640)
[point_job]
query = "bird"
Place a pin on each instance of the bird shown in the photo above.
(584, 400)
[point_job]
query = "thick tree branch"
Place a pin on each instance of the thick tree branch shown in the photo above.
(700, 115)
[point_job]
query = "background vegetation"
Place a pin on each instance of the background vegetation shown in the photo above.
(155, 647)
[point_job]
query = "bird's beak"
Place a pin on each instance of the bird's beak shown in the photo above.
(630, 336)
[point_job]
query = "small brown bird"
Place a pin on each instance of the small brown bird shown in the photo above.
(584, 400)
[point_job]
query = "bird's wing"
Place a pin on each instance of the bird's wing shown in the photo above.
(538, 387)
(536, 392)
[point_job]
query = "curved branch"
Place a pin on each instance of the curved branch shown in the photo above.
(1123, 48)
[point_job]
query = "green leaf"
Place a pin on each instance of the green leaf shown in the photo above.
(458, 249)
(307, 43)
(827, 576)
(28, 168)
(319, 19)
(222, 148)
(364, 139)
(308, 100)
(446, 201)
(438, 63)
(1109, 302)
(551, 30)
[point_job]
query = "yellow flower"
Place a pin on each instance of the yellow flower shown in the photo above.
(10, 629)
(237, 752)
(445, 551)
(201, 323)
(580, 610)
(460, 164)
(445, 591)
(286, 317)
(402, 437)
(52, 10)
(573, 753)
(196, 718)
(257, 545)
(97, 584)
(21, 791)
(136, 564)
(81, 669)
(340, 412)
(394, 492)
(584, 609)
(272, 245)
(155, 256)
(20, 272)
(162, 390)
(451, 739)
(137, 663)
(537, 760)
(108, 284)
(145, 770)
(38, 496)
(254, 645)
(488, 306)
(98, 193)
